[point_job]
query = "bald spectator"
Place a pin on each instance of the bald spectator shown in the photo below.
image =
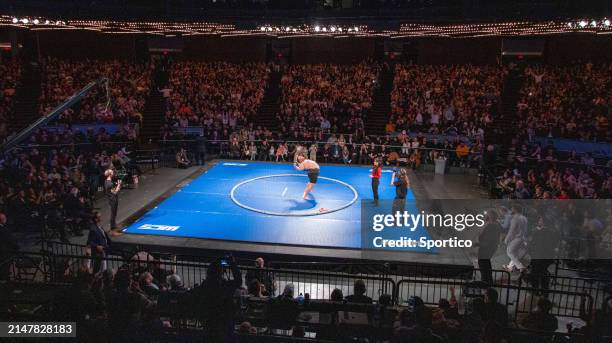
(264, 277)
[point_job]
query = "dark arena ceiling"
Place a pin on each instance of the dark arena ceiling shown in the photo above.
(294, 18)
(280, 10)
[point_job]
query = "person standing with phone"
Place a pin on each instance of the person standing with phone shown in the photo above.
(111, 190)
(376, 173)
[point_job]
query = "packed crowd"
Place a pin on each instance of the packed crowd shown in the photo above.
(572, 101)
(9, 77)
(444, 99)
(546, 173)
(145, 298)
(217, 96)
(121, 101)
(328, 98)
(54, 181)
(401, 149)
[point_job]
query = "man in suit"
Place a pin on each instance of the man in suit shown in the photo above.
(99, 242)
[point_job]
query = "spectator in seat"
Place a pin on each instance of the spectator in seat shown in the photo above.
(148, 286)
(494, 311)
(255, 289)
(540, 319)
(128, 309)
(261, 275)
(521, 192)
(336, 295)
(288, 292)
(358, 296)
(415, 324)
(79, 304)
(284, 308)
(462, 150)
(602, 321)
(217, 301)
(175, 283)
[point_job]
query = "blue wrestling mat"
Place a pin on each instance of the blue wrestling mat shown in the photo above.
(262, 202)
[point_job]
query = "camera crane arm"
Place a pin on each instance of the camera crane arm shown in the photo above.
(25, 133)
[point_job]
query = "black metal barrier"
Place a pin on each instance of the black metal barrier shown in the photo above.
(432, 290)
(519, 299)
(50, 269)
(598, 289)
(319, 285)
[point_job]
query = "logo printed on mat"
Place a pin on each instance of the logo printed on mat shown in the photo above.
(235, 164)
(158, 227)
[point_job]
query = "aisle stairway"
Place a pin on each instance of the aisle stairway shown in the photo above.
(378, 115)
(155, 108)
(502, 131)
(26, 98)
(270, 104)
(504, 126)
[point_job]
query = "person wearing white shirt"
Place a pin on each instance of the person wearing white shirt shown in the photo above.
(435, 118)
(419, 118)
(406, 147)
(515, 239)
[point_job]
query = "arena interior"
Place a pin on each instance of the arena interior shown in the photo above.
(306, 171)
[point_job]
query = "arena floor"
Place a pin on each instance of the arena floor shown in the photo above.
(262, 203)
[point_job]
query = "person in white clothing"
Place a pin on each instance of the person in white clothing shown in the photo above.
(515, 239)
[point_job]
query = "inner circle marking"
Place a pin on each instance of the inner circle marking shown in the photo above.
(313, 213)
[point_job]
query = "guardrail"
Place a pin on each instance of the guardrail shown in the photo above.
(319, 285)
(519, 300)
(567, 304)
(592, 286)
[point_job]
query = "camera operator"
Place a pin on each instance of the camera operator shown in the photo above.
(217, 306)
(111, 190)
